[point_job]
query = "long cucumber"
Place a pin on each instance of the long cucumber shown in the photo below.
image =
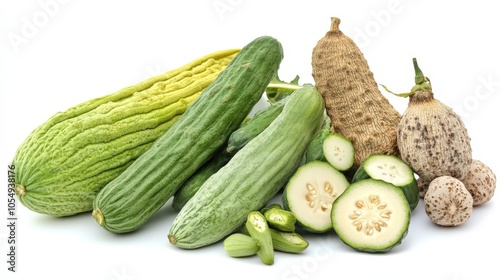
(252, 177)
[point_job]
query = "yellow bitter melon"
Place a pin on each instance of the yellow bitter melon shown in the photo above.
(65, 161)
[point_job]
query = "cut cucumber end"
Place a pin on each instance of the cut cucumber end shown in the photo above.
(171, 239)
(393, 170)
(98, 216)
(20, 190)
(371, 216)
(310, 193)
(338, 151)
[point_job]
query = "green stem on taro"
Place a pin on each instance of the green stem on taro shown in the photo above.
(422, 83)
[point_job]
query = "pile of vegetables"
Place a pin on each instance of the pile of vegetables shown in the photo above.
(337, 154)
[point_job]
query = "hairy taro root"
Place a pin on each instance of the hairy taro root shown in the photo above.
(432, 138)
(447, 201)
(353, 101)
(481, 182)
(422, 187)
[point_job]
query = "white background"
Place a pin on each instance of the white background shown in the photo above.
(56, 54)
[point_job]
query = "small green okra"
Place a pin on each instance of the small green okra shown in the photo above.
(280, 219)
(270, 206)
(258, 228)
(239, 245)
(288, 242)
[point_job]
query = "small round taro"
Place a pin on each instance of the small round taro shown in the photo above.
(480, 182)
(448, 202)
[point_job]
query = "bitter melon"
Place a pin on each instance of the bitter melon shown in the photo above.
(65, 161)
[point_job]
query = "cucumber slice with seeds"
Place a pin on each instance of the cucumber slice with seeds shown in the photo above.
(390, 169)
(371, 216)
(310, 193)
(338, 151)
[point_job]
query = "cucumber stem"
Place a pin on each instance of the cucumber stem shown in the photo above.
(98, 216)
(284, 86)
(20, 190)
(172, 239)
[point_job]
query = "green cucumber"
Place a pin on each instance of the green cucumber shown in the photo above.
(252, 177)
(310, 193)
(338, 151)
(239, 245)
(131, 199)
(257, 227)
(187, 190)
(393, 170)
(254, 126)
(371, 216)
(315, 149)
(238, 139)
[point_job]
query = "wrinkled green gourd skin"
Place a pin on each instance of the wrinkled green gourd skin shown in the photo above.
(65, 161)
(148, 183)
(238, 139)
(252, 177)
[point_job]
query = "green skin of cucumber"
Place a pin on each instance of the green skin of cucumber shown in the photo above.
(253, 127)
(315, 149)
(189, 188)
(410, 190)
(238, 139)
(252, 177)
(130, 200)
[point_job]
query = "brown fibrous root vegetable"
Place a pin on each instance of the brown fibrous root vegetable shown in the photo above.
(353, 101)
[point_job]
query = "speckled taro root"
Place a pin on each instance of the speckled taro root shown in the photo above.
(353, 101)
(422, 187)
(447, 201)
(432, 138)
(480, 182)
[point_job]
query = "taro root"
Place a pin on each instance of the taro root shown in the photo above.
(353, 101)
(447, 201)
(432, 138)
(422, 187)
(480, 182)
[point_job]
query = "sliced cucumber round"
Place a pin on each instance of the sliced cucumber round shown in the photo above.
(338, 151)
(371, 216)
(390, 169)
(310, 193)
